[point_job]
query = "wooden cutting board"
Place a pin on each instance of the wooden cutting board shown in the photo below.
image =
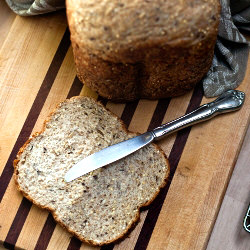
(36, 72)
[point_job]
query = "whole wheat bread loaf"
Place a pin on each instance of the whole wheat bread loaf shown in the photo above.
(99, 207)
(129, 49)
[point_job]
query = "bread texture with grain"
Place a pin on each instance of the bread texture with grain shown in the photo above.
(99, 207)
(130, 49)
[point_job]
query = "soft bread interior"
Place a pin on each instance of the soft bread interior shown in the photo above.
(101, 206)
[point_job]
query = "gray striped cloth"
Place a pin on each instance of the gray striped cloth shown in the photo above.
(35, 7)
(231, 50)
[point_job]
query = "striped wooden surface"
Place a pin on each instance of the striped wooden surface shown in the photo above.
(36, 72)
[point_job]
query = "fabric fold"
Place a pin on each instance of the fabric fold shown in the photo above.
(231, 50)
(35, 7)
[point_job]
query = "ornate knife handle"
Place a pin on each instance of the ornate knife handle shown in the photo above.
(230, 100)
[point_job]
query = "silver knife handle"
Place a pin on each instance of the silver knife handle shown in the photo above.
(230, 100)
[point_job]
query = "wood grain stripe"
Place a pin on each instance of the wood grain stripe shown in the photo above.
(17, 224)
(128, 112)
(75, 88)
(46, 233)
(159, 113)
(174, 157)
(74, 244)
(6, 19)
(108, 247)
(29, 123)
(35, 110)
(50, 223)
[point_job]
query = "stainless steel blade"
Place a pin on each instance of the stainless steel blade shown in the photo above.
(108, 155)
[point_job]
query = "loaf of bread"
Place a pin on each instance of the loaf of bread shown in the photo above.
(129, 49)
(99, 207)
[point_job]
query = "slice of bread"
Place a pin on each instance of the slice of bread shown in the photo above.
(99, 207)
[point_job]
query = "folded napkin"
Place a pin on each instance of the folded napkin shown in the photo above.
(231, 50)
(35, 7)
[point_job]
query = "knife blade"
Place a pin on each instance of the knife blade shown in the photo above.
(230, 100)
(108, 155)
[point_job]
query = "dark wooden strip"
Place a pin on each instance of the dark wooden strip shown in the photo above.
(50, 224)
(35, 110)
(159, 113)
(26, 130)
(17, 224)
(108, 247)
(46, 233)
(128, 112)
(74, 244)
(174, 157)
(102, 100)
(76, 88)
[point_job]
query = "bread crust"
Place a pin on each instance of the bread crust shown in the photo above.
(165, 55)
(151, 79)
(50, 209)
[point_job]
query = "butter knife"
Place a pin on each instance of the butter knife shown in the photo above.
(230, 100)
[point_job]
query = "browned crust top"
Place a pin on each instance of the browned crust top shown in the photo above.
(109, 28)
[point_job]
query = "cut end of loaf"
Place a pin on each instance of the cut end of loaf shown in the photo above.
(101, 206)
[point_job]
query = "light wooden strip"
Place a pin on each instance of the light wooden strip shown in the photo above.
(58, 93)
(8, 207)
(201, 179)
(86, 91)
(59, 90)
(32, 228)
(86, 246)
(60, 239)
(22, 70)
(142, 116)
(223, 170)
(6, 19)
(116, 108)
(181, 103)
(172, 113)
